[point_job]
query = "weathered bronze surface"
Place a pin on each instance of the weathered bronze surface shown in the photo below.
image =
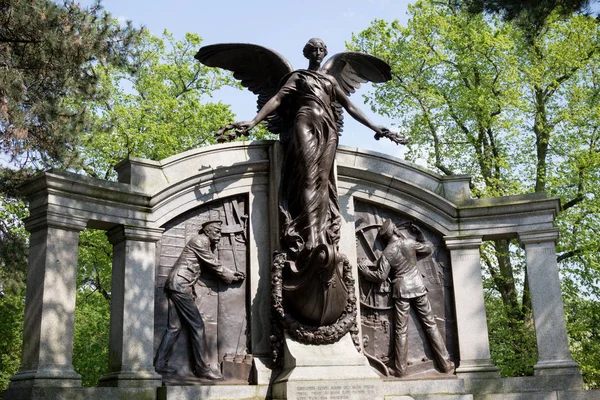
(203, 261)
(404, 276)
(304, 107)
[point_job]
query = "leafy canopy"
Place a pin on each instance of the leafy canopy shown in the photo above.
(157, 105)
(49, 54)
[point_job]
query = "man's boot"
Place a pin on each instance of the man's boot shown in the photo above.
(161, 361)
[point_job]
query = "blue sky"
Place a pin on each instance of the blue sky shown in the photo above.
(283, 26)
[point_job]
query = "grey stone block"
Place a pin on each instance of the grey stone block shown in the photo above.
(423, 387)
(524, 384)
(517, 396)
(213, 392)
(54, 393)
(579, 395)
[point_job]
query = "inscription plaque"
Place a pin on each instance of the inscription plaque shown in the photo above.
(336, 391)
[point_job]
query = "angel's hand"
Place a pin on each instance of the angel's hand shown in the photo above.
(239, 129)
(382, 131)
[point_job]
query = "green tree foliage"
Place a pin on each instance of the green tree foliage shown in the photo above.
(92, 312)
(157, 105)
(94, 263)
(583, 324)
(512, 344)
(90, 342)
(479, 95)
(13, 245)
(529, 15)
(49, 52)
(12, 307)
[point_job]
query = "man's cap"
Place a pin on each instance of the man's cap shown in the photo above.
(214, 217)
(387, 229)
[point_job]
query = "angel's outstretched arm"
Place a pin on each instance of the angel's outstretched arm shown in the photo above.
(355, 112)
(243, 127)
(269, 107)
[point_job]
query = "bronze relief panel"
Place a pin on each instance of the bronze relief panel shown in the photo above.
(201, 320)
(406, 296)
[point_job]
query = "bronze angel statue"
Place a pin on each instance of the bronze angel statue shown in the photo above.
(304, 107)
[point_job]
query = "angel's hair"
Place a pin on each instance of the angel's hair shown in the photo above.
(312, 43)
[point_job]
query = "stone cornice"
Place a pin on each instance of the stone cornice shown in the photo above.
(526, 203)
(70, 184)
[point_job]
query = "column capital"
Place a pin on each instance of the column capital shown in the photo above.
(138, 233)
(463, 242)
(545, 236)
(44, 219)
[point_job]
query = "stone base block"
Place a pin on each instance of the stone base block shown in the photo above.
(555, 395)
(421, 388)
(330, 372)
(433, 397)
(214, 392)
(525, 384)
(517, 396)
(579, 395)
(54, 393)
(318, 383)
(339, 353)
(131, 379)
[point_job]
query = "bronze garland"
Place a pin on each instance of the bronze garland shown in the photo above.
(303, 333)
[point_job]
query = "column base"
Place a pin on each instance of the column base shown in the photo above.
(477, 369)
(556, 367)
(48, 377)
(131, 379)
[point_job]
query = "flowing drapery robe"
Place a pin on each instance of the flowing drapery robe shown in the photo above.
(308, 194)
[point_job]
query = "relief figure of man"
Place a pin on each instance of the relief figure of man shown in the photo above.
(198, 254)
(399, 261)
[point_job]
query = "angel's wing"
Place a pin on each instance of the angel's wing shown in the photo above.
(259, 69)
(351, 69)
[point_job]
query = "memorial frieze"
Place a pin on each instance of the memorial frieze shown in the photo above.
(406, 298)
(201, 296)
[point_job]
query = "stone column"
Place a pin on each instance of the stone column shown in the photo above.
(554, 356)
(131, 340)
(471, 321)
(47, 358)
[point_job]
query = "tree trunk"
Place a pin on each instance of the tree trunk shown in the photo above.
(505, 282)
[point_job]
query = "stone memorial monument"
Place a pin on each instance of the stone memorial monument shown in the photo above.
(289, 269)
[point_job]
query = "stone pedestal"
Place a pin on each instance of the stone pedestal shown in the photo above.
(335, 371)
(473, 339)
(131, 341)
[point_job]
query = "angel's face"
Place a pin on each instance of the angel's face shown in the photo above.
(317, 53)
